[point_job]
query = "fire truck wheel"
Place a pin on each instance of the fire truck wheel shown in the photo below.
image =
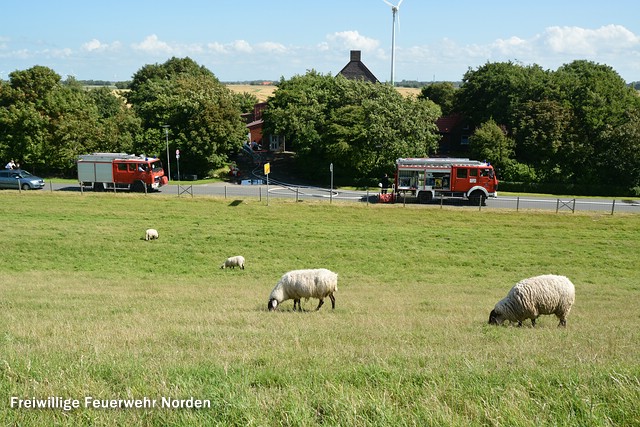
(476, 198)
(424, 197)
(138, 187)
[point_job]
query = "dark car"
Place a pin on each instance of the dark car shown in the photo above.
(18, 178)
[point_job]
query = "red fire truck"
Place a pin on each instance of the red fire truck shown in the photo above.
(105, 171)
(431, 178)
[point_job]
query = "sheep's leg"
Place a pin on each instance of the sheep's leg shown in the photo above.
(297, 301)
(333, 301)
(563, 322)
(320, 304)
(533, 323)
(519, 323)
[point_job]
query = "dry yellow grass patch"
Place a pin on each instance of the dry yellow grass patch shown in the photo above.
(262, 92)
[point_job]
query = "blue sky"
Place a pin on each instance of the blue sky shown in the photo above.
(269, 39)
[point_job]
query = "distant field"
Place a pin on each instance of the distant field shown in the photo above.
(90, 310)
(263, 92)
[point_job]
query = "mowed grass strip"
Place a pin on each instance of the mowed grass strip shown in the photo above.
(88, 308)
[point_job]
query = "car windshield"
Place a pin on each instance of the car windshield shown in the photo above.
(156, 166)
(24, 174)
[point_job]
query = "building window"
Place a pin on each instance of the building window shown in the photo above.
(464, 140)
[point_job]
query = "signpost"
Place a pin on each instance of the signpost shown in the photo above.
(267, 171)
(331, 190)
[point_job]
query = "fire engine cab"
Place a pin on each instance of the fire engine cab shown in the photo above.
(431, 178)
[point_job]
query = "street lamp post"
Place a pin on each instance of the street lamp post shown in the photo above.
(166, 134)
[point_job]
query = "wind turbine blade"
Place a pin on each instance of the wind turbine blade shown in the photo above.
(399, 3)
(388, 3)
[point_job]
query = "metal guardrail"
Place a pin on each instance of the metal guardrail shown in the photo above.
(301, 193)
(517, 203)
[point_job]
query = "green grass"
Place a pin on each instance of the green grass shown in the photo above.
(88, 308)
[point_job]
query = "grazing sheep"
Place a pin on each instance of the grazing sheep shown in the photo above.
(151, 234)
(529, 298)
(319, 283)
(233, 262)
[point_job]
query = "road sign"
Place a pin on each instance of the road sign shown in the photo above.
(267, 168)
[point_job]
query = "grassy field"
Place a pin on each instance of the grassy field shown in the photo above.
(90, 310)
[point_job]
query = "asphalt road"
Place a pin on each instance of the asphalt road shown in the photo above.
(264, 192)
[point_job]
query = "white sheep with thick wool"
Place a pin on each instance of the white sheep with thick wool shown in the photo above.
(233, 262)
(151, 234)
(297, 284)
(535, 296)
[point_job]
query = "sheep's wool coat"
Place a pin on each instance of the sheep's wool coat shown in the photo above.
(234, 261)
(151, 234)
(532, 297)
(297, 284)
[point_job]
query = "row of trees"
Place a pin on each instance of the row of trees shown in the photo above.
(45, 123)
(577, 125)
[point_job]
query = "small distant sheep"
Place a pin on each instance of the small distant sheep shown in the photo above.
(319, 283)
(233, 262)
(151, 234)
(532, 297)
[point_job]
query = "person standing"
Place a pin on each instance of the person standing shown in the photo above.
(385, 184)
(10, 165)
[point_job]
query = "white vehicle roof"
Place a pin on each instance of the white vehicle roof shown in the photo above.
(439, 161)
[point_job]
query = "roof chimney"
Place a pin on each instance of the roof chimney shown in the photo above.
(355, 55)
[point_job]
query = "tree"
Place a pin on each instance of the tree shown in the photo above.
(542, 128)
(119, 126)
(202, 115)
(496, 90)
(360, 127)
(620, 161)
(246, 101)
(442, 93)
(599, 100)
(490, 142)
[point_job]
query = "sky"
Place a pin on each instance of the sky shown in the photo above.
(243, 40)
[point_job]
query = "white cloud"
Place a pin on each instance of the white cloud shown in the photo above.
(96, 45)
(151, 44)
(614, 45)
(271, 47)
(154, 46)
(241, 46)
(217, 47)
(58, 53)
(350, 40)
(584, 41)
